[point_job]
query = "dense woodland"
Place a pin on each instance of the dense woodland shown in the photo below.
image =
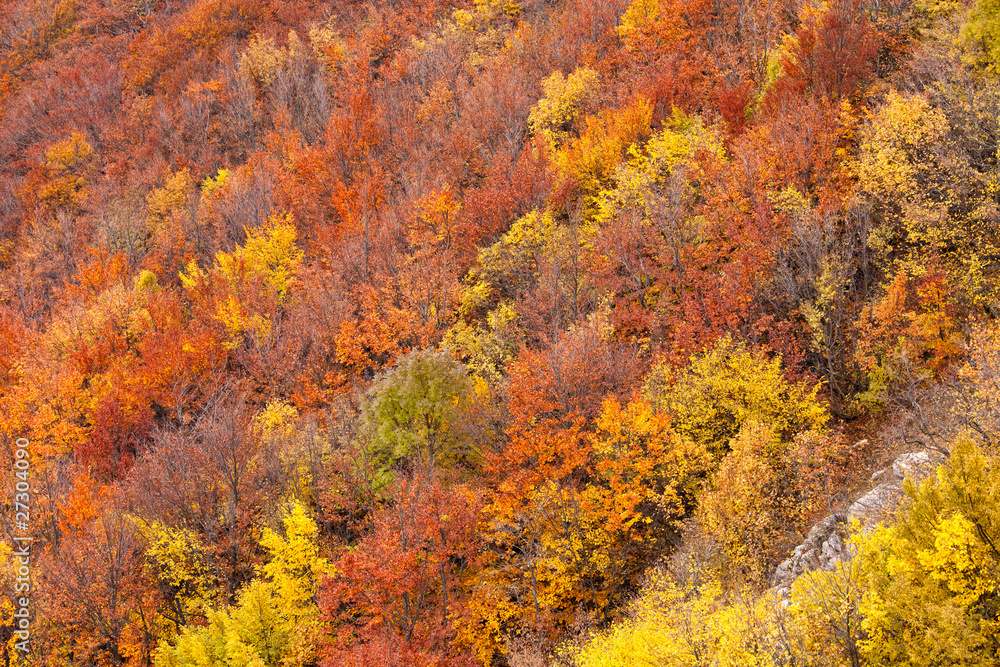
(503, 332)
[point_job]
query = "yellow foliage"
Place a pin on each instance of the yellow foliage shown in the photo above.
(275, 622)
(482, 629)
(672, 626)
(936, 9)
(960, 560)
(510, 265)
(269, 259)
(192, 276)
(932, 589)
(531, 231)
(922, 591)
(981, 33)
(588, 544)
(68, 165)
(327, 45)
(561, 104)
(657, 190)
(8, 573)
(269, 253)
(934, 207)
(176, 556)
(173, 196)
(644, 462)
(212, 187)
(589, 160)
(727, 386)
(489, 346)
(69, 153)
(277, 416)
(505, 7)
(638, 183)
(895, 148)
(147, 281)
(750, 508)
(263, 60)
(824, 616)
(477, 33)
(637, 23)
(240, 322)
(295, 567)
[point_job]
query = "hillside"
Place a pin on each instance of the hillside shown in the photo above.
(500, 332)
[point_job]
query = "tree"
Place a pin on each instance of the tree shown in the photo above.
(757, 503)
(575, 518)
(93, 593)
(908, 336)
(982, 33)
(647, 480)
(202, 25)
(430, 278)
(176, 558)
(824, 614)
(929, 196)
(832, 50)
(563, 100)
(673, 625)
(648, 223)
(212, 478)
(728, 386)
(569, 380)
(275, 621)
(931, 578)
(412, 410)
(261, 273)
(394, 594)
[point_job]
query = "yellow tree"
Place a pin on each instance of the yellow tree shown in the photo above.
(727, 386)
(932, 203)
(932, 588)
(249, 291)
(275, 622)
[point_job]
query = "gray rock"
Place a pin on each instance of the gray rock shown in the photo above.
(833, 550)
(913, 464)
(825, 545)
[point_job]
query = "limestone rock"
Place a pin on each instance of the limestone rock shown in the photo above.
(825, 543)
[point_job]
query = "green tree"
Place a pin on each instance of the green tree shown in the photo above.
(412, 408)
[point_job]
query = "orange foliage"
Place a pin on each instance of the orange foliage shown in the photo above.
(393, 596)
(204, 25)
(912, 324)
(145, 146)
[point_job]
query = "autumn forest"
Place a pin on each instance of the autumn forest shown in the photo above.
(503, 333)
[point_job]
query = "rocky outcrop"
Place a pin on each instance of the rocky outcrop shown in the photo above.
(826, 542)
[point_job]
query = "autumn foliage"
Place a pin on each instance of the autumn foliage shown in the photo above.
(435, 333)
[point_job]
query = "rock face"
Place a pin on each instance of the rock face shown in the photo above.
(826, 542)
